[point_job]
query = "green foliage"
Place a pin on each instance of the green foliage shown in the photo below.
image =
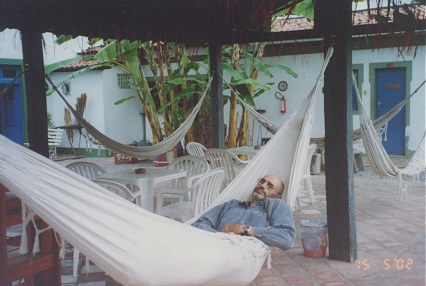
(305, 9)
(50, 123)
(242, 80)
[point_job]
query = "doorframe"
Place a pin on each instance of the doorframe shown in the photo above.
(20, 64)
(408, 65)
(360, 69)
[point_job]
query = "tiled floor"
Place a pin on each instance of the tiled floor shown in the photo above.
(390, 241)
(390, 237)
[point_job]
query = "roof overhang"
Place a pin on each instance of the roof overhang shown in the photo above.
(197, 21)
(193, 22)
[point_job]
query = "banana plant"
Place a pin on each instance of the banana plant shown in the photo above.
(125, 55)
(244, 82)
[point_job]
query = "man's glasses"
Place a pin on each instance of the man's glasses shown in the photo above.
(269, 185)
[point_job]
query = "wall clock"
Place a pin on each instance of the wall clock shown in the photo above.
(66, 88)
(282, 85)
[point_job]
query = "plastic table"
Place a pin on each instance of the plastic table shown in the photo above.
(144, 195)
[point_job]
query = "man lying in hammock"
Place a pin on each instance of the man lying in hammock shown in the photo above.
(266, 217)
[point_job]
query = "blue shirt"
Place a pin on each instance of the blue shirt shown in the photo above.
(271, 219)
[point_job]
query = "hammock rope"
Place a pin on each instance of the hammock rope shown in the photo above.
(134, 151)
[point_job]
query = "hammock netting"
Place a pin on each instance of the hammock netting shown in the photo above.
(137, 247)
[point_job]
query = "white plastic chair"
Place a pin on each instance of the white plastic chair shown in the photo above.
(89, 171)
(54, 138)
(193, 166)
(116, 188)
(195, 149)
(203, 190)
(307, 182)
(222, 158)
(86, 169)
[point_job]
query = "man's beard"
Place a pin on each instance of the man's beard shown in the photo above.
(258, 196)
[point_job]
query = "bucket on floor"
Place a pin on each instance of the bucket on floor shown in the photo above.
(314, 236)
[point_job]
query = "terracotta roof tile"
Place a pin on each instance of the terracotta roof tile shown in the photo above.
(359, 18)
(78, 65)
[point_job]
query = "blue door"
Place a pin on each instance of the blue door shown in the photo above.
(11, 107)
(390, 90)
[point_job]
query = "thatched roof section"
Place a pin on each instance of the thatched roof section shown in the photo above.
(191, 21)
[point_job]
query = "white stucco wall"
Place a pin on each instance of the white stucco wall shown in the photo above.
(11, 47)
(91, 84)
(123, 122)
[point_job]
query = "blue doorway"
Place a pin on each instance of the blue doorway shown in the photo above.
(390, 89)
(11, 105)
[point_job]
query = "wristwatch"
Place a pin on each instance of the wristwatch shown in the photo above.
(246, 228)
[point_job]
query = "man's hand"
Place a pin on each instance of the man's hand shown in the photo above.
(236, 229)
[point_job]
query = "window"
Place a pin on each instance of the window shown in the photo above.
(123, 81)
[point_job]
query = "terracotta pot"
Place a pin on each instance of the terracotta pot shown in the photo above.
(123, 159)
(164, 159)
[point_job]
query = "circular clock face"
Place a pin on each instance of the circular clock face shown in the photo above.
(282, 85)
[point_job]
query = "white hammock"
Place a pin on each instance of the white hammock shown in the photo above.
(283, 155)
(133, 151)
(136, 247)
(132, 245)
(377, 123)
(379, 159)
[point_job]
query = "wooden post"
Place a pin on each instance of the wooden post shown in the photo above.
(338, 129)
(215, 53)
(35, 86)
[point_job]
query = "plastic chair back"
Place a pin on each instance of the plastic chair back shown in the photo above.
(220, 158)
(86, 169)
(54, 140)
(206, 189)
(116, 188)
(203, 191)
(192, 165)
(195, 149)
